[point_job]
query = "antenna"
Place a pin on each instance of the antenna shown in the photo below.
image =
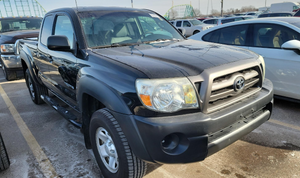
(76, 4)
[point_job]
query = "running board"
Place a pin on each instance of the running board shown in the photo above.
(61, 110)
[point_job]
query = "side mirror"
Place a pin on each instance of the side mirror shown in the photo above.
(291, 45)
(58, 43)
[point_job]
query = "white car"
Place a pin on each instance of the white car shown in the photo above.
(276, 39)
(190, 27)
(223, 20)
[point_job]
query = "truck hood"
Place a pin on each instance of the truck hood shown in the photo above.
(11, 37)
(175, 59)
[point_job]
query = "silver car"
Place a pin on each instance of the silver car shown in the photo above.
(190, 27)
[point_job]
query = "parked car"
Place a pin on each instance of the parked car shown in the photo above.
(276, 14)
(254, 13)
(4, 160)
(191, 26)
(12, 29)
(201, 19)
(143, 96)
(276, 39)
(220, 21)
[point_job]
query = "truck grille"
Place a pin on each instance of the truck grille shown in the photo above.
(229, 89)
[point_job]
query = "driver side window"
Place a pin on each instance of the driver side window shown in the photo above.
(64, 27)
(186, 24)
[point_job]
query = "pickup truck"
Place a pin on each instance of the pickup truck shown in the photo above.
(13, 29)
(143, 95)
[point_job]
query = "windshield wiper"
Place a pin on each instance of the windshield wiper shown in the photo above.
(159, 39)
(116, 45)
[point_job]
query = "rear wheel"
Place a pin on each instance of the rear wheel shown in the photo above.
(111, 149)
(35, 89)
(4, 160)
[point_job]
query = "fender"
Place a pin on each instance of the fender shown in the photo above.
(103, 93)
(26, 56)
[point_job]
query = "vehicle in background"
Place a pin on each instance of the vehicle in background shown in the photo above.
(276, 39)
(255, 13)
(138, 95)
(4, 160)
(239, 14)
(190, 27)
(276, 14)
(12, 29)
(201, 19)
(220, 21)
(284, 6)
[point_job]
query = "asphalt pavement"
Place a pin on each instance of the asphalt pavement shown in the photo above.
(41, 143)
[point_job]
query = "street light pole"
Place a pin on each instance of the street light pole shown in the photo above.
(131, 3)
(221, 8)
(265, 3)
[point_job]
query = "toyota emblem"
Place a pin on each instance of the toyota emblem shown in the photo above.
(239, 83)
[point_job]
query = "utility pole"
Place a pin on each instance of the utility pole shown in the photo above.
(207, 7)
(265, 3)
(131, 3)
(221, 8)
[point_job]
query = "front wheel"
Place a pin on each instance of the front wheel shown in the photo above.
(35, 89)
(111, 148)
(4, 160)
(196, 31)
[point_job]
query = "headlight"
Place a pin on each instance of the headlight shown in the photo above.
(7, 48)
(263, 66)
(167, 95)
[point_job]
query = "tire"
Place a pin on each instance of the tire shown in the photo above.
(196, 31)
(104, 126)
(4, 160)
(35, 89)
(8, 74)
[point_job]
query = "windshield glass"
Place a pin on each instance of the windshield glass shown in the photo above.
(19, 24)
(196, 22)
(111, 28)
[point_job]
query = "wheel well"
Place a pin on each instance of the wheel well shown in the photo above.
(24, 66)
(180, 30)
(90, 105)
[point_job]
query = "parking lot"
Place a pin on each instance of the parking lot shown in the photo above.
(41, 143)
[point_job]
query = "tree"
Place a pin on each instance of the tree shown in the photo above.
(197, 12)
(173, 14)
(215, 12)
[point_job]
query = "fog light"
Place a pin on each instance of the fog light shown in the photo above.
(175, 144)
(170, 142)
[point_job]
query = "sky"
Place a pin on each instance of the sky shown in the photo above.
(160, 6)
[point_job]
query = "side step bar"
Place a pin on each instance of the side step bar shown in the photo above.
(61, 110)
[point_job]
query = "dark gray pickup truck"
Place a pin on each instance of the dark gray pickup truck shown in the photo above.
(140, 91)
(11, 30)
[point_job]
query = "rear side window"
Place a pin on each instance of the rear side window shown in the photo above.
(227, 21)
(263, 15)
(234, 35)
(46, 29)
(178, 23)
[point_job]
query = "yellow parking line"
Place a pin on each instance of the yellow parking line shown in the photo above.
(37, 151)
(284, 124)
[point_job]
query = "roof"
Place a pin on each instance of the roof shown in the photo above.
(96, 8)
(23, 17)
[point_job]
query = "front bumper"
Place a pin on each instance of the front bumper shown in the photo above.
(11, 61)
(193, 137)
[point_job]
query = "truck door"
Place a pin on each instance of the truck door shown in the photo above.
(63, 68)
(41, 55)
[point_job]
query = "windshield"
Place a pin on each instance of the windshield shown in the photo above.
(19, 24)
(196, 22)
(111, 28)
